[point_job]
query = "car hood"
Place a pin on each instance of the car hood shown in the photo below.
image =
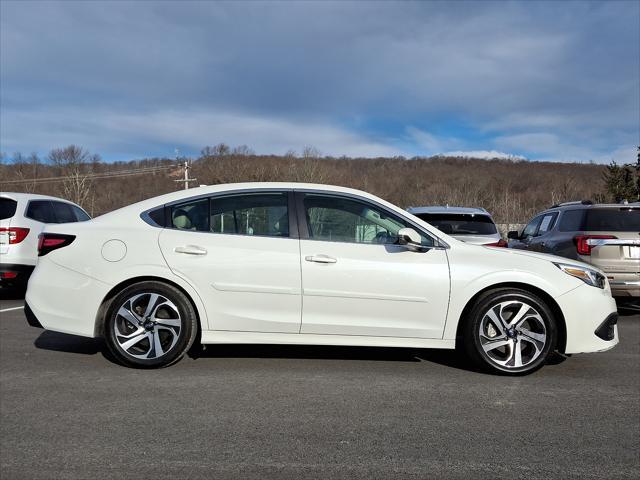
(478, 239)
(544, 256)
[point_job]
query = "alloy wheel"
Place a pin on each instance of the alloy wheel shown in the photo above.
(512, 334)
(147, 326)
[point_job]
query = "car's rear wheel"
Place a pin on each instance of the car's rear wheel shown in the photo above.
(510, 331)
(150, 324)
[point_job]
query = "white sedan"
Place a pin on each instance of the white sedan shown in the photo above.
(284, 263)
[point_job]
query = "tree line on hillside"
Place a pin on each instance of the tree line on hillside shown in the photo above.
(512, 190)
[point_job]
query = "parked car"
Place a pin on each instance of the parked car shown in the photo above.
(604, 235)
(286, 263)
(471, 225)
(22, 217)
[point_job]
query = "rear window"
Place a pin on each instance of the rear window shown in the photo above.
(460, 224)
(7, 208)
(612, 220)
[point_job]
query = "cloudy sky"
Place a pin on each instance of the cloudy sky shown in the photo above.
(548, 81)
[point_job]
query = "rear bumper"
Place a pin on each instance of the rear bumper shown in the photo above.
(63, 300)
(14, 273)
(31, 317)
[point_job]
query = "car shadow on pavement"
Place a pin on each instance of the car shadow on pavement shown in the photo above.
(12, 293)
(628, 307)
(449, 358)
(63, 342)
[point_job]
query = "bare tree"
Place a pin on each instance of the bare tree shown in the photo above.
(242, 151)
(74, 164)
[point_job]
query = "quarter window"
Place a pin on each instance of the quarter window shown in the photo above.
(81, 215)
(338, 219)
(571, 221)
(63, 212)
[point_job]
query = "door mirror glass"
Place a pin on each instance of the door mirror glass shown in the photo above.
(513, 235)
(409, 238)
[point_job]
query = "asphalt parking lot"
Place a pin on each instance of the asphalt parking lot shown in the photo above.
(67, 411)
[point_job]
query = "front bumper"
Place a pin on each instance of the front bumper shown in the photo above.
(586, 309)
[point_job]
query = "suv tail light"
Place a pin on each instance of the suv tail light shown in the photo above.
(582, 242)
(47, 242)
(16, 234)
(499, 243)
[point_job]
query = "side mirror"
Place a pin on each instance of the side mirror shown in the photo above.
(513, 235)
(409, 238)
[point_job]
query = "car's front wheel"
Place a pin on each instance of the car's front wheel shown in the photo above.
(510, 331)
(150, 324)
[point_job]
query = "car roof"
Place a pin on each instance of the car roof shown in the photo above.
(588, 206)
(205, 190)
(18, 196)
(437, 209)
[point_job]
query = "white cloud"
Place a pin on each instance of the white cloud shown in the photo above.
(131, 133)
(484, 154)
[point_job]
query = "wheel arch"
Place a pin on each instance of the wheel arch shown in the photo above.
(548, 299)
(100, 315)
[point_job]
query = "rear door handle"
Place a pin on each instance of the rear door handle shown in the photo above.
(191, 250)
(320, 259)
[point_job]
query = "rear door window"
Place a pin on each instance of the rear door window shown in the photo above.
(264, 214)
(7, 208)
(192, 216)
(619, 219)
(41, 211)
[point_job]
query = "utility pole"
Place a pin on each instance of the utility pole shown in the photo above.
(186, 166)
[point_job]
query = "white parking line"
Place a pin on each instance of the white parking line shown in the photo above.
(11, 309)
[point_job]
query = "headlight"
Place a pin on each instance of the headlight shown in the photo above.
(587, 275)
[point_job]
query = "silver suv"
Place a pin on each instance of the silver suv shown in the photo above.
(605, 235)
(471, 225)
(22, 218)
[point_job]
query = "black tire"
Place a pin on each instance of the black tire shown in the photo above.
(175, 338)
(538, 321)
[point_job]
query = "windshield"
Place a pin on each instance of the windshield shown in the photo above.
(460, 223)
(621, 219)
(7, 208)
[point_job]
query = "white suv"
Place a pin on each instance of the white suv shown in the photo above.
(470, 225)
(22, 218)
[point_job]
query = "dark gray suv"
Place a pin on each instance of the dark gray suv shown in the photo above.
(605, 235)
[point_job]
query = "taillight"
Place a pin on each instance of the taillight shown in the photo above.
(499, 243)
(47, 242)
(16, 234)
(582, 242)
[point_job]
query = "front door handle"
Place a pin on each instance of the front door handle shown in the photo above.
(320, 259)
(191, 250)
